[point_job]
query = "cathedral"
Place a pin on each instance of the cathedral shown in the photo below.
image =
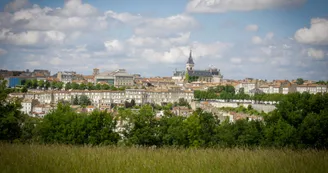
(192, 75)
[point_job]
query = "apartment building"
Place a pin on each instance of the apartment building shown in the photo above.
(311, 88)
(117, 78)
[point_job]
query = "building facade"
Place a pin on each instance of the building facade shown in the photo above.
(210, 75)
(116, 78)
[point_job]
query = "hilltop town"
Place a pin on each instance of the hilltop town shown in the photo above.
(41, 92)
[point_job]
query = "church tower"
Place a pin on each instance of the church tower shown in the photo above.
(190, 63)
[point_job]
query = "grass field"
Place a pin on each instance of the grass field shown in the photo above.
(67, 159)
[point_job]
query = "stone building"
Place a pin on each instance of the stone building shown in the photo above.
(209, 75)
(116, 78)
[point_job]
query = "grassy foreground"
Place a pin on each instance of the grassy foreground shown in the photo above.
(61, 158)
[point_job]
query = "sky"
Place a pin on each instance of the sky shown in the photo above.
(263, 39)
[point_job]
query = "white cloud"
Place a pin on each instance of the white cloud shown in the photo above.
(256, 59)
(114, 46)
(269, 36)
(77, 8)
(138, 41)
(31, 37)
(316, 54)
(127, 18)
(252, 28)
(317, 34)
(236, 60)
(221, 6)
(2, 52)
(16, 5)
(166, 26)
(256, 40)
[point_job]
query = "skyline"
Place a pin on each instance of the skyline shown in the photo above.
(267, 39)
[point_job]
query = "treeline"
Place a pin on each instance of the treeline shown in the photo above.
(300, 121)
(228, 93)
(41, 84)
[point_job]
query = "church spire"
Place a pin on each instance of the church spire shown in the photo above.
(190, 60)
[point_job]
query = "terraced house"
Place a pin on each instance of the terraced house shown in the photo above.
(100, 98)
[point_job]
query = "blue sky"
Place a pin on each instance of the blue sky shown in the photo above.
(266, 39)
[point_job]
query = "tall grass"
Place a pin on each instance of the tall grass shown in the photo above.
(68, 159)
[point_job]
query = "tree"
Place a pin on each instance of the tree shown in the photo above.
(100, 129)
(68, 86)
(24, 89)
(84, 100)
(187, 79)
(34, 83)
(41, 84)
(59, 85)
(145, 129)
(75, 86)
(90, 86)
(133, 103)
(11, 118)
(200, 128)
(299, 81)
(28, 84)
(75, 100)
(82, 86)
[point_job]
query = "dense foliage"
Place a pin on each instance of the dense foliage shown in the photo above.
(300, 121)
(228, 93)
(55, 85)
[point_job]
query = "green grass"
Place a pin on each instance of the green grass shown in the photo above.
(69, 159)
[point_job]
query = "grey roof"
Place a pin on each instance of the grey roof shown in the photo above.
(200, 73)
(120, 72)
(256, 91)
(179, 73)
(190, 60)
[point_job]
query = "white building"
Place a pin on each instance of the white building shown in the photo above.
(246, 85)
(116, 78)
(27, 105)
(311, 88)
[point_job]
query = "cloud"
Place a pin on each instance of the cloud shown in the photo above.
(166, 26)
(269, 36)
(114, 46)
(2, 52)
(256, 59)
(221, 6)
(256, 40)
(317, 34)
(316, 54)
(253, 28)
(139, 41)
(31, 37)
(236, 60)
(16, 5)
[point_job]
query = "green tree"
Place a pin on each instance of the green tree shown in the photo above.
(90, 86)
(187, 79)
(68, 86)
(24, 89)
(299, 81)
(145, 128)
(41, 84)
(200, 128)
(82, 86)
(34, 83)
(11, 118)
(100, 129)
(75, 100)
(75, 86)
(59, 85)
(84, 100)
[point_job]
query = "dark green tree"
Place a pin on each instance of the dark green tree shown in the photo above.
(299, 81)
(84, 100)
